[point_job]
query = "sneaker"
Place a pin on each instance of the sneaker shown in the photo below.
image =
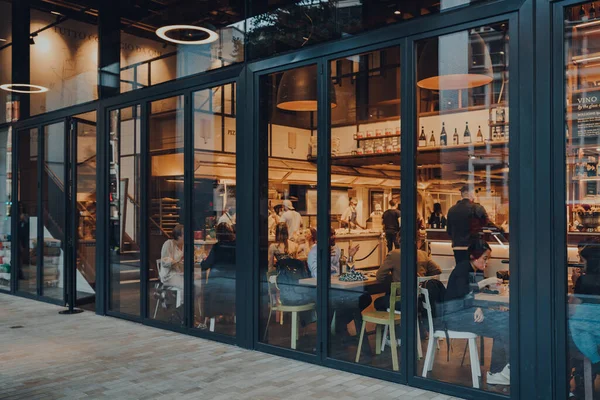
(497, 379)
(506, 372)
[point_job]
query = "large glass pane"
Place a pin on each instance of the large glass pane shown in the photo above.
(170, 40)
(463, 208)
(287, 292)
(165, 214)
(582, 149)
(84, 160)
(28, 147)
(125, 234)
(64, 59)
(364, 209)
(214, 209)
(54, 211)
(277, 26)
(6, 263)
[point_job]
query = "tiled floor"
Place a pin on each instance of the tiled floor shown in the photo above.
(44, 355)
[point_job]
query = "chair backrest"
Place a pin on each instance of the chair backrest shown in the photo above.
(394, 294)
(427, 307)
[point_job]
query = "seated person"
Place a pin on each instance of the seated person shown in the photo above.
(219, 292)
(171, 259)
(282, 248)
(335, 253)
(460, 314)
(389, 271)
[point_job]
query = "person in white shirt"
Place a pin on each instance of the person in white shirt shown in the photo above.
(171, 259)
(349, 217)
(291, 217)
(228, 216)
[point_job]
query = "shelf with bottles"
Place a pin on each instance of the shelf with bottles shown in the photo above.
(585, 16)
(443, 141)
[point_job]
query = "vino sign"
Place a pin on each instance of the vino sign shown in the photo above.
(585, 114)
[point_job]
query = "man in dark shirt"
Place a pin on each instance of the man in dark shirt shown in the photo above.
(391, 225)
(465, 221)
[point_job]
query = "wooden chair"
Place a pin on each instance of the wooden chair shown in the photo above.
(275, 305)
(440, 334)
(387, 319)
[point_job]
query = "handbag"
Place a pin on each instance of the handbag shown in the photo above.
(289, 272)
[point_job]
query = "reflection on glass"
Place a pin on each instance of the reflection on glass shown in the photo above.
(582, 141)
(5, 207)
(125, 234)
(53, 208)
(85, 206)
(64, 59)
(165, 218)
(288, 242)
(280, 26)
(365, 216)
(28, 145)
(6, 113)
(463, 207)
(148, 58)
(214, 209)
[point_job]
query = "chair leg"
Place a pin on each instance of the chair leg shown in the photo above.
(384, 339)
(428, 355)
(419, 345)
(394, 347)
(464, 354)
(333, 323)
(212, 324)
(156, 308)
(360, 341)
(474, 357)
(294, 329)
(281, 318)
(588, 379)
(267, 327)
(377, 339)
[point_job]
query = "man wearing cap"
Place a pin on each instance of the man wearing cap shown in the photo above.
(291, 217)
(466, 220)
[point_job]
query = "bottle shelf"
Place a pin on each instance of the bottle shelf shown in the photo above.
(377, 137)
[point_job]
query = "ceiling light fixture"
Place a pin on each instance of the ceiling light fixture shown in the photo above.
(397, 12)
(162, 33)
(19, 88)
(2, 40)
(56, 13)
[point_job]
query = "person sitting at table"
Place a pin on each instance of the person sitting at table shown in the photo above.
(282, 248)
(460, 313)
(171, 259)
(219, 292)
(391, 268)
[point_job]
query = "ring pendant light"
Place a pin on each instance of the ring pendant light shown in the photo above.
(14, 87)
(162, 33)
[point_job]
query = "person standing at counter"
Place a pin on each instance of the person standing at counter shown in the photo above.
(465, 221)
(460, 313)
(437, 219)
(349, 217)
(391, 225)
(390, 271)
(291, 218)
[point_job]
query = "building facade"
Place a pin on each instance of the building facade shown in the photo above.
(256, 172)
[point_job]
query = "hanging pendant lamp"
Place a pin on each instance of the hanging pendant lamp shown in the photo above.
(457, 61)
(298, 90)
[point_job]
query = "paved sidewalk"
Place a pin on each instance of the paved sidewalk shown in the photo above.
(87, 356)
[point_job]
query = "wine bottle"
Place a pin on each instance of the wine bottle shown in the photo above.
(432, 140)
(443, 136)
(455, 137)
(479, 135)
(422, 138)
(582, 14)
(592, 12)
(467, 135)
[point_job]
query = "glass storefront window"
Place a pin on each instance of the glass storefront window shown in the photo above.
(28, 146)
(364, 209)
(174, 40)
(277, 26)
(214, 209)
(6, 105)
(462, 210)
(6, 263)
(582, 149)
(125, 234)
(165, 240)
(64, 60)
(288, 261)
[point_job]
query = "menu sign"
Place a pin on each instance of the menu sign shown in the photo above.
(585, 114)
